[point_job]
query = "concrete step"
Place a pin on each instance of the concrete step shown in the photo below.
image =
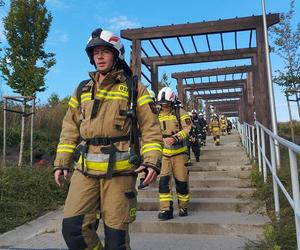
(186, 242)
(220, 192)
(203, 204)
(215, 182)
(213, 166)
(219, 174)
(204, 223)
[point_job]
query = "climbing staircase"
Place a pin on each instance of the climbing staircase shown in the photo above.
(222, 212)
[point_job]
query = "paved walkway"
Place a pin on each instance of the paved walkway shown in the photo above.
(223, 214)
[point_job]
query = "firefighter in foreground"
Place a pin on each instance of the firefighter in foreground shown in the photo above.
(223, 123)
(175, 124)
(98, 125)
(215, 129)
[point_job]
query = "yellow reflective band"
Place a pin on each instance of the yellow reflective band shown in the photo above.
(167, 118)
(183, 197)
(98, 246)
(183, 134)
(86, 94)
(105, 92)
(65, 150)
(144, 100)
(165, 195)
(171, 152)
(102, 166)
(74, 100)
(185, 117)
(72, 105)
(67, 145)
(112, 97)
(151, 144)
(151, 149)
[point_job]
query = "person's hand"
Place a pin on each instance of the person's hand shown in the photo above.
(151, 174)
(57, 175)
(169, 141)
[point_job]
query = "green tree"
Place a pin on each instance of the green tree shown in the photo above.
(53, 100)
(25, 62)
(287, 46)
(164, 81)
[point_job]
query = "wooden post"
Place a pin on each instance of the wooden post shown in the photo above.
(250, 98)
(22, 133)
(180, 89)
(4, 131)
(261, 89)
(154, 78)
(31, 131)
(136, 58)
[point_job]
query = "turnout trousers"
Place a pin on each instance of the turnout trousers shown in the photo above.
(174, 166)
(116, 200)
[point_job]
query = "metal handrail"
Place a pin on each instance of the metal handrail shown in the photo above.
(264, 163)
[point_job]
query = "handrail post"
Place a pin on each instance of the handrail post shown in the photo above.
(296, 193)
(274, 169)
(258, 147)
(264, 155)
(253, 143)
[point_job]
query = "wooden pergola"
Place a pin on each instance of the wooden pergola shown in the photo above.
(161, 34)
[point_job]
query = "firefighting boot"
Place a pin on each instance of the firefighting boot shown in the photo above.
(197, 159)
(183, 212)
(165, 215)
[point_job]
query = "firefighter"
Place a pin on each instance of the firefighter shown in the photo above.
(142, 175)
(195, 135)
(203, 128)
(223, 122)
(175, 124)
(98, 127)
(229, 126)
(215, 129)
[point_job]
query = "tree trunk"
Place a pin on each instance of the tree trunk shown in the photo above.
(22, 135)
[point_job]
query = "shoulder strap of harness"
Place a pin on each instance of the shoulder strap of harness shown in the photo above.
(79, 90)
(177, 114)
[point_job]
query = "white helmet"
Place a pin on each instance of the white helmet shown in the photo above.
(166, 94)
(194, 111)
(106, 38)
(151, 93)
(200, 114)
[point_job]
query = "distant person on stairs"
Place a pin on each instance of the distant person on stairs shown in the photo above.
(175, 124)
(215, 129)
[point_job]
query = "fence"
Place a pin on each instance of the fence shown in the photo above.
(257, 144)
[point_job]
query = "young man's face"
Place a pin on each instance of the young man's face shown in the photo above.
(103, 58)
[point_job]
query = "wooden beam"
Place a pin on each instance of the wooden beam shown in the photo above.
(220, 96)
(201, 57)
(199, 28)
(216, 85)
(213, 72)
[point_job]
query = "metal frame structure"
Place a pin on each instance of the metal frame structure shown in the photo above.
(161, 34)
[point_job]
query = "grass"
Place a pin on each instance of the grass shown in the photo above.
(27, 193)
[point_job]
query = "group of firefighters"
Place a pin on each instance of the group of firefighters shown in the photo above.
(113, 131)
